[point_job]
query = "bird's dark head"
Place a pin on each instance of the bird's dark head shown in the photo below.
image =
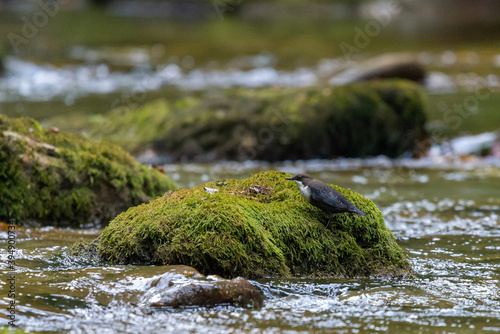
(301, 179)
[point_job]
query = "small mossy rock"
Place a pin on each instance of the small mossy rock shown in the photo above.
(184, 287)
(257, 227)
(50, 178)
(357, 120)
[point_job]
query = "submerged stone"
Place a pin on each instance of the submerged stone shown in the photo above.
(52, 178)
(184, 287)
(257, 227)
(272, 124)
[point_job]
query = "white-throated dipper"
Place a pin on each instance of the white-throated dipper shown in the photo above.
(323, 196)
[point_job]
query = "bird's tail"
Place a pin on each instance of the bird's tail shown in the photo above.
(358, 211)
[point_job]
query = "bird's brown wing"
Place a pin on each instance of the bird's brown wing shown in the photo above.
(329, 196)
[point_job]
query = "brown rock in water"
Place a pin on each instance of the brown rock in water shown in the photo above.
(184, 286)
(402, 66)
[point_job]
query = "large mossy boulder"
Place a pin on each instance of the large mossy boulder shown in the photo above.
(356, 120)
(52, 178)
(257, 227)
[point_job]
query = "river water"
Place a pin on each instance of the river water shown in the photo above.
(444, 215)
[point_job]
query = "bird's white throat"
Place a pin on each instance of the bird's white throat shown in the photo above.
(304, 190)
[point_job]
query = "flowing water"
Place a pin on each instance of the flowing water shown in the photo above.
(444, 215)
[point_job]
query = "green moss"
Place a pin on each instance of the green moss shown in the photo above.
(67, 179)
(12, 330)
(256, 227)
(361, 119)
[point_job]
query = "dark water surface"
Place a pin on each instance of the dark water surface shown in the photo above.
(445, 218)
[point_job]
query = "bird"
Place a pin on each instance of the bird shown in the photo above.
(323, 196)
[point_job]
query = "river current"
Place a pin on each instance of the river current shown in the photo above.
(444, 216)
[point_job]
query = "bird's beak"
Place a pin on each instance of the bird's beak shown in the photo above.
(289, 178)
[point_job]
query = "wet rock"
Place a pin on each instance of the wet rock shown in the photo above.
(256, 227)
(357, 120)
(402, 66)
(476, 144)
(55, 178)
(183, 287)
(483, 144)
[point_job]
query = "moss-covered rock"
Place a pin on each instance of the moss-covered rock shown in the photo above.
(62, 179)
(356, 120)
(257, 227)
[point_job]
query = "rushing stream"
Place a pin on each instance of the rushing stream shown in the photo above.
(444, 216)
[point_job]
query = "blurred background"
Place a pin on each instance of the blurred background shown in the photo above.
(68, 59)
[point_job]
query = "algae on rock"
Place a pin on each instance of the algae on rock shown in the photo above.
(257, 227)
(66, 179)
(361, 119)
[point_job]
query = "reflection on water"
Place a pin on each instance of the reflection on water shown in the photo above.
(448, 226)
